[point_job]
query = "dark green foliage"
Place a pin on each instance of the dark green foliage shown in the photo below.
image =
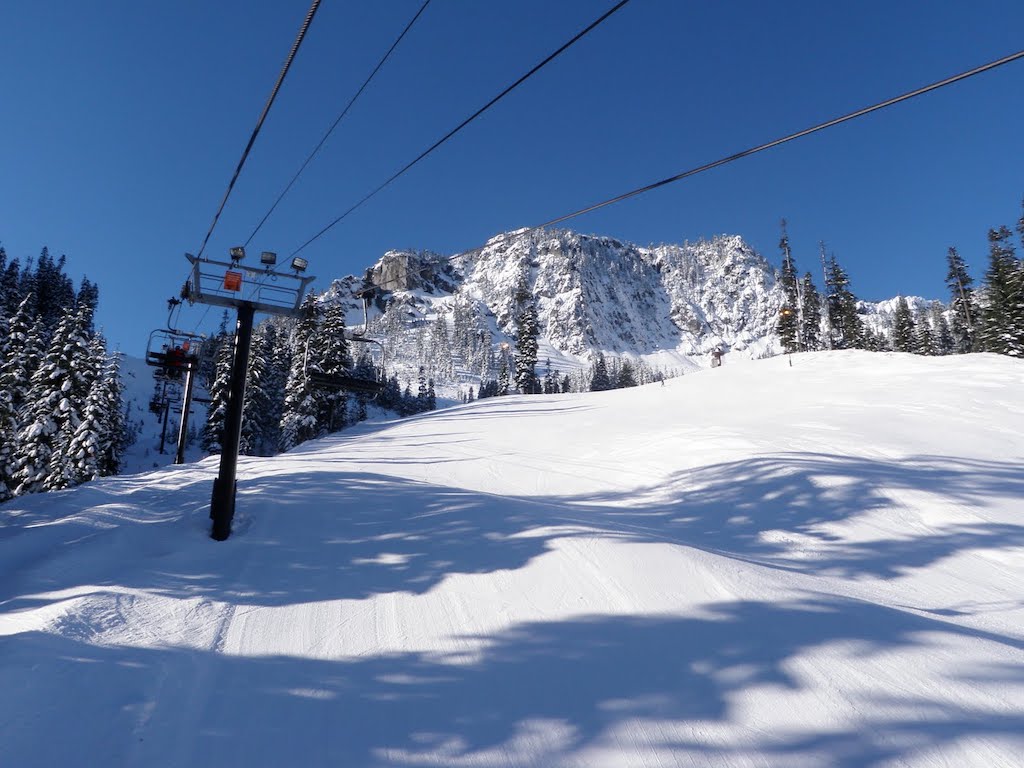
(962, 303)
(904, 333)
(788, 323)
(846, 327)
(1002, 316)
(212, 435)
(810, 314)
(626, 377)
(599, 379)
(527, 332)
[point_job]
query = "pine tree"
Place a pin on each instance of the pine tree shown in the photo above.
(57, 392)
(441, 362)
(626, 377)
(599, 380)
(300, 419)
(788, 324)
(335, 359)
(846, 326)
(962, 304)
(527, 333)
(810, 314)
(904, 332)
(256, 401)
(1002, 317)
(942, 337)
(924, 341)
(219, 389)
(503, 377)
(116, 434)
(10, 280)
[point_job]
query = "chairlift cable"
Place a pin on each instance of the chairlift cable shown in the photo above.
(467, 121)
(745, 153)
(259, 123)
(340, 117)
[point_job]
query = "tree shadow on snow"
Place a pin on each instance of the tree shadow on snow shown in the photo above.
(536, 694)
(777, 510)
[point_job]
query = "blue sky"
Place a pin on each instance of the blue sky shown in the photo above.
(122, 123)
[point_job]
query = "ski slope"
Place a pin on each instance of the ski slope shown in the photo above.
(815, 562)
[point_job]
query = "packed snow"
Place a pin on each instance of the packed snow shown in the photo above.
(810, 561)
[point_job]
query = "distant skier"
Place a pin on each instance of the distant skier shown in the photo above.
(716, 358)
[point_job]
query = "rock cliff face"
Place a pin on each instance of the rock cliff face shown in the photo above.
(668, 304)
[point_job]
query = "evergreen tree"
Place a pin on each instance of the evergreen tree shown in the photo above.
(80, 457)
(335, 359)
(924, 342)
(810, 314)
(1002, 318)
(903, 333)
(527, 346)
(788, 324)
(57, 391)
(219, 389)
(116, 434)
(256, 401)
(441, 361)
(962, 304)
(300, 420)
(942, 337)
(599, 380)
(422, 393)
(10, 280)
(21, 354)
(626, 377)
(503, 377)
(847, 329)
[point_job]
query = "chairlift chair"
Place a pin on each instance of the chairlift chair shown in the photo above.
(347, 382)
(173, 351)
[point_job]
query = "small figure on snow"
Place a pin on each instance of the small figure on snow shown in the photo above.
(716, 357)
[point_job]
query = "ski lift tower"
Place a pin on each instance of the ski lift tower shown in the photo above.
(248, 290)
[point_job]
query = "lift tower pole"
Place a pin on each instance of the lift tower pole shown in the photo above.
(224, 287)
(222, 503)
(190, 377)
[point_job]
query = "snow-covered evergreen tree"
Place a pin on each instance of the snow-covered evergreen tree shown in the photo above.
(599, 379)
(904, 332)
(788, 325)
(256, 401)
(1002, 316)
(942, 337)
(503, 377)
(334, 359)
(300, 418)
(962, 303)
(846, 327)
(924, 341)
(219, 389)
(626, 377)
(810, 314)
(57, 392)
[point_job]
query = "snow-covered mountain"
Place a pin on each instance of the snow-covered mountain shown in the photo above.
(668, 305)
(880, 316)
(812, 562)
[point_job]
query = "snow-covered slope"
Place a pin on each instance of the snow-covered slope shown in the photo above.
(815, 562)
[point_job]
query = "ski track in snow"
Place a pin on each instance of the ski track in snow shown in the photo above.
(816, 564)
